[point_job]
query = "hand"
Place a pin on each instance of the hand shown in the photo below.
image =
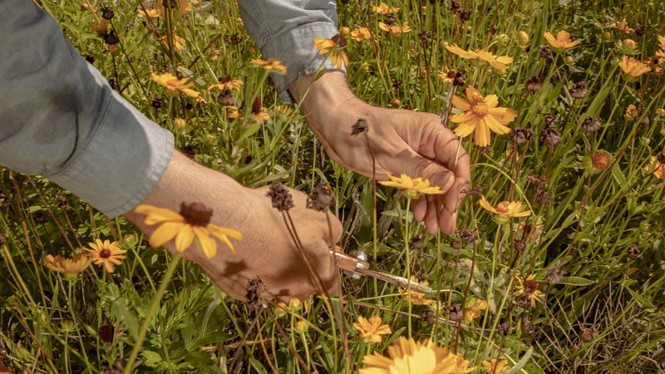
(267, 250)
(402, 142)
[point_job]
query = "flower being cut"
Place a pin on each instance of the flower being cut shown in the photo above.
(193, 222)
(409, 356)
(334, 48)
(481, 116)
(106, 253)
(70, 267)
(173, 85)
(371, 329)
(632, 68)
(562, 41)
(415, 298)
(412, 187)
(505, 209)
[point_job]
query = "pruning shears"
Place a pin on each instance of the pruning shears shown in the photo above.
(361, 267)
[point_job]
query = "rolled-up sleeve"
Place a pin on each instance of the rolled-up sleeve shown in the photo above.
(59, 118)
(285, 30)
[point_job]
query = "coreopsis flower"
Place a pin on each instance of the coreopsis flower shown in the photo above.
(408, 356)
(178, 42)
(150, 13)
(632, 68)
(474, 309)
(632, 112)
(505, 209)
(226, 83)
(656, 167)
(181, 6)
(69, 267)
(415, 298)
(270, 65)
(412, 187)
(106, 253)
(384, 8)
(173, 85)
(528, 289)
(623, 26)
(481, 116)
(395, 29)
(334, 48)
(372, 329)
(496, 62)
(562, 41)
(495, 366)
(193, 222)
(360, 34)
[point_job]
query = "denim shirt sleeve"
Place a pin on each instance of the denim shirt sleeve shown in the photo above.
(285, 30)
(59, 118)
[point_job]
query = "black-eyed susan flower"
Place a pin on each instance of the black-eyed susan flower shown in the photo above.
(269, 65)
(412, 187)
(360, 34)
(226, 83)
(562, 41)
(528, 289)
(106, 254)
(371, 329)
(495, 366)
(173, 85)
(632, 68)
(409, 356)
(259, 113)
(505, 209)
(193, 222)
(69, 267)
(481, 116)
(334, 48)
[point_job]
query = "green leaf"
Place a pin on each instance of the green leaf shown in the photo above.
(576, 281)
(618, 176)
(520, 364)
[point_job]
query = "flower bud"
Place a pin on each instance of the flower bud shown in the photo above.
(179, 123)
(301, 326)
(345, 31)
(523, 38)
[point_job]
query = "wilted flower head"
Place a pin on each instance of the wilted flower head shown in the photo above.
(474, 308)
(70, 267)
(656, 167)
(522, 135)
(623, 26)
(591, 124)
(532, 84)
(495, 366)
(281, 197)
(579, 90)
(321, 198)
(632, 112)
(550, 137)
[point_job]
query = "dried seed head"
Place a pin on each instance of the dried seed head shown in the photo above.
(256, 106)
(504, 329)
(111, 38)
(321, 198)
(533, 84)
(107, 13)
(519, 245)
(591, 124)
(634, 253)
(550, 137)
(554, 274)
(579, 90)
(157, 103)
(226, 98)
(460, 78)
(587, 334)
(661, 157)
(416, 243)
(455, 312)
(255, 291)
(3, 240)
(469, 236)
(390, 19)
(522, 135)
(359, 127)
(527, 326)
(544, 197)
(546, 52)
(281, 197)
(196, 214)
(465, 15)
(106, 333)
(428, 316)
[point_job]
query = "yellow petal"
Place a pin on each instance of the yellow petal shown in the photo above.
(164, 233)
(495, 126)
(207, 243)
(464, 130)
(185, 238)
(482, 134)
(461, 104)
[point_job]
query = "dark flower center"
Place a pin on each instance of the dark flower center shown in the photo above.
(530, 286)
(196, 214)
(104, 253)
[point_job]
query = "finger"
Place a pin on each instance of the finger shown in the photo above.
(431, 219)
(420, 209)
(334, 230)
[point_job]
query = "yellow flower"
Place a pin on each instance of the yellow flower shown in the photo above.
(193, 221)
(395, 29)
(261, 115)
(70, 267)
(529, 289)
(409, 356)
(360, 34)
(632, 112)
(106, 253)
(269, 65)
(633, 68)
(656, 167)
(661, 40)
(384, 8)
(178, 42)
(181, 6)
(226, 83)
(497, 62)
(412, 188)
(415, 298)
(623, 26)
(234, 112)
(481, 116)
(474, 310)
(446, 75)
(562, 41)
(334, 48)
(372, 329)
(174, 85)
(495, 366)
(505, 209)
(151, 13)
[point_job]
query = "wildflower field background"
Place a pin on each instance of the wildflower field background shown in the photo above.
(558, 261)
